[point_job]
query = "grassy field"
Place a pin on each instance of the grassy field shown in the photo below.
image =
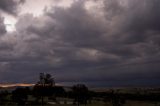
(99, 103)
(109, 104)
(128, 103)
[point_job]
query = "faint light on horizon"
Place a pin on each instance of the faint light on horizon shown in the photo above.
(21, 85)
(13, 85)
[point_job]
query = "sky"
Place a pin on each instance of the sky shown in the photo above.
(101, 43)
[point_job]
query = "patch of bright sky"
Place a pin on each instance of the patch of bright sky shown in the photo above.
(64, 3)
(9, 22)
(90, 4)
(35, 7)
(95, 7)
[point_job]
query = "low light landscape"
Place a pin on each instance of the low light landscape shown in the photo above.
(80, 52)
(47, 93)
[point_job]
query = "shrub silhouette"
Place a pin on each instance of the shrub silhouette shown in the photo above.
(3, 97)
(20, 95)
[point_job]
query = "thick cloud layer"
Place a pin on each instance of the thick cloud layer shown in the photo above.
(2, 26)
(116, 45)
(10, 6)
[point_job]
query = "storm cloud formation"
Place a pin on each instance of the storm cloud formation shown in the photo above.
(116, 44)
(2, 26)
(10, 6)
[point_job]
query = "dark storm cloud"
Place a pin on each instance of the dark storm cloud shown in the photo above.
(147, 8)
(10, 6)
(137, 19)
(79, 27)
(117, 43)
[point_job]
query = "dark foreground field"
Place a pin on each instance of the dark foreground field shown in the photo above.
(109, 97)
(128, 103)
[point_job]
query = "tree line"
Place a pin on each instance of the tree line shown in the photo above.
(45, 90)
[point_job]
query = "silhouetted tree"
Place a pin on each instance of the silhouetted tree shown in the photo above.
(44, 87)
(80, 92)
(46, 80)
